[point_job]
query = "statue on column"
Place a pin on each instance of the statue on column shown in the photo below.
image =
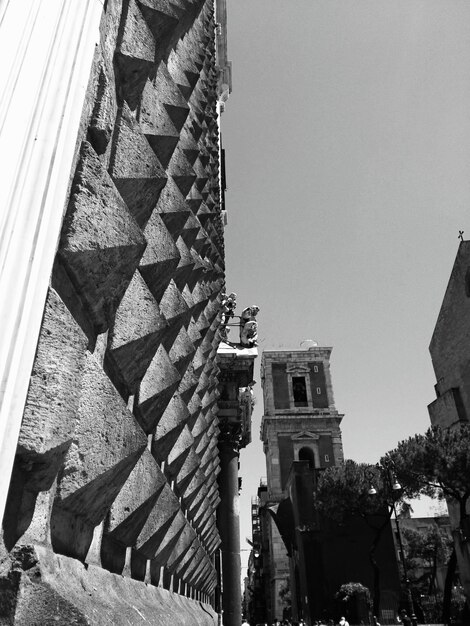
(246, 395)
(249, 327)
(227, 306)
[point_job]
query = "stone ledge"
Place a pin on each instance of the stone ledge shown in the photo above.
(48, 588)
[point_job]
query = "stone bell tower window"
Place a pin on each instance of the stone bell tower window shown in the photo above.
(299, 391)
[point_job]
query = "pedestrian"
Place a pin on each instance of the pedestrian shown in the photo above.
(404, 619)
(343, 622)
(375, 621)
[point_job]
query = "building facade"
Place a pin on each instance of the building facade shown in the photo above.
(113, 258)
(305, 558)
(451, 362)
(300, 423)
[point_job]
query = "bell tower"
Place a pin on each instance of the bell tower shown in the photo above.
(300, 423)
(300, 419)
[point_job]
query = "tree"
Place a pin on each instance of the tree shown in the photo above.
(437, 464)
(285, 596)
(344, 491)
(425, 550)
(355, 601)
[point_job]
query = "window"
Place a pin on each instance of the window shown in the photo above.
(327, 458)
(315, 368)
(299, 391)
(318, 391)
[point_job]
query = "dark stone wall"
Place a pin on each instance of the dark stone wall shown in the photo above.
(280, 387)
(286, 457)
(327, 555)
(117, 458)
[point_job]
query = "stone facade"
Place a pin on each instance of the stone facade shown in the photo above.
(300, 422)
(451, 361)
(111, 510)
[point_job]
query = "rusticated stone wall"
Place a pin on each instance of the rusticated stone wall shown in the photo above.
(117, 462)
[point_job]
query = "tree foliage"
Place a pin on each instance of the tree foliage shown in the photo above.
(425, 550)
(436, 464)
(345, 491)
(349, 591)
(285, 594)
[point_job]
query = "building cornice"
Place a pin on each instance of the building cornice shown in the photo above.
(224, 66)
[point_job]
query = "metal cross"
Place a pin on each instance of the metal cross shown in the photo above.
(461, 232)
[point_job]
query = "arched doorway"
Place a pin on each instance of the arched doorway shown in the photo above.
(307, 454)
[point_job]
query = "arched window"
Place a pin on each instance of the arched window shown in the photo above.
(299, 391)
(307, 454)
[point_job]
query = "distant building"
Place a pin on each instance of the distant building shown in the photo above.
(300, 423)
(303, 560)
(259, 605)
(450, 356)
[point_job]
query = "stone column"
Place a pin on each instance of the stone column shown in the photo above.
(229, 529)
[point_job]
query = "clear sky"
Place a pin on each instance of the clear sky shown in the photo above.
(347, 140)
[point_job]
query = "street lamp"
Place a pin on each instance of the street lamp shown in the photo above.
(386, 468)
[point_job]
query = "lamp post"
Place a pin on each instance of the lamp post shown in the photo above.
(386, 468)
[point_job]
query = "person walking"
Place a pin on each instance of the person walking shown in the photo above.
(343, 622)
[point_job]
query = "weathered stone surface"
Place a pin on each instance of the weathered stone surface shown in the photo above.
(159, 534)
(187, 471)
(179, 452)
(188, 385)
(162, 114)
(105, 109)
(135, 55)
(195, 409)
(173, 208)
(169, 427)
(180, 71)
(174, 307)
(181, 171)
(52, 589)
(182, 351)
(162, 17)
(101, 244)
(48, 422)
(135, 169)
(156, 390)
(185, 266)
(134, 503)
(54, 391)
(137, 332)
(107, 443)
(161, 545)
(187, 541)
(190, 230)
(122, 376)
(160, 258)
